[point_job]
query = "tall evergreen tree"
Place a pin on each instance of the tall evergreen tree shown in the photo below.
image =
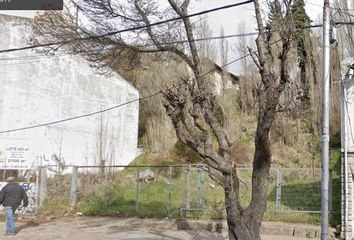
(302, 41)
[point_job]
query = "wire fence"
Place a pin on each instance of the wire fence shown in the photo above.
(181, 190)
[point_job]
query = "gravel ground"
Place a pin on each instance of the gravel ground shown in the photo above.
(100, 228)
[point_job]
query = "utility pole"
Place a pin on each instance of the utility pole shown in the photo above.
(325, 122)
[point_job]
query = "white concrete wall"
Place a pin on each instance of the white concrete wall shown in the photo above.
(347, 128)
(350, 119)
(37, 89)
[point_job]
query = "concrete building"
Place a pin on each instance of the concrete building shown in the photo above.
(347, 140)
(36, 89)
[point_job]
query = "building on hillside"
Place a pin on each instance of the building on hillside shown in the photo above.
(347, 149)
(224, 80)
(219, 79)
(37, 89)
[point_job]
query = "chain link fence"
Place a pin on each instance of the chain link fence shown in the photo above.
(181, 190)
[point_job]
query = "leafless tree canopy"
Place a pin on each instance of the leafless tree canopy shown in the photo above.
(80, 23)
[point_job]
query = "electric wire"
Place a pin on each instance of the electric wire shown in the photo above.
(331, 7)
(236, 35)
(134, 100)
(119, 105)
(127, 29)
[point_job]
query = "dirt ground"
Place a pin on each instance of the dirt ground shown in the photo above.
(100, 228)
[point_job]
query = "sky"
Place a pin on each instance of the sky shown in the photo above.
(229, 19)
(220, 18)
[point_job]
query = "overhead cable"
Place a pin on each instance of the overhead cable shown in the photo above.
(127, 29)
(119, 105)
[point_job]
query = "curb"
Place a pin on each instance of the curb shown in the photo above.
(268, 228)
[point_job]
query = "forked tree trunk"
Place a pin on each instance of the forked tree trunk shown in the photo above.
(241, 224)
(244, 232)
(245, 223)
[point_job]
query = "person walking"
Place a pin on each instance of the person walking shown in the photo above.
(11, 197)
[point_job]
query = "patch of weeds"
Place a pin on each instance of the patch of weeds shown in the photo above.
(56, 207)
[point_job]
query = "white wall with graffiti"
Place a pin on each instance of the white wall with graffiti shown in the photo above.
(31, 191)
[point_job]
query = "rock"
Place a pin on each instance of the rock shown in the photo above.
(212, 186)
(146, 176)
(50, 217)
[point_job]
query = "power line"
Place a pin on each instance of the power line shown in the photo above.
(107, 109)
(142, 98)
(30, 57)
(119, 105)
(343, 23)
(314, 4)
(29, 62)
(338, 8)
(128, 29)
(236, 35)
(79, 116)
(343, 9)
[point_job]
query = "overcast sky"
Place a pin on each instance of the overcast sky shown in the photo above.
(228, 18)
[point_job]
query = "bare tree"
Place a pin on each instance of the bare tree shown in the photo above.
(345, 32)
(105, 142)
(224, 48)
(191, 106)
(206, 48)
(101, 144)
(241, 46)
(248, 81)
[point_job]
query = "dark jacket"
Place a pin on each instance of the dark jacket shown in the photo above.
(12, 194)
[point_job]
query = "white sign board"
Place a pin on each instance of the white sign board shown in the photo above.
(14, 157)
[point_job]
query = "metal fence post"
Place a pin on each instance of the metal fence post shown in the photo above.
(105, 189)
(200, 188)
(278, 190)
(42, 185)
(330, 197)
(137, 192)
(187, 191)
(38, 170)
(73, 190)
(170, 192)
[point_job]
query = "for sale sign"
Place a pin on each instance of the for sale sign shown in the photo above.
(14, 157)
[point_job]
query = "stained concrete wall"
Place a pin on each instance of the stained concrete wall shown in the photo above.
(347, 125)
(36, 89)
